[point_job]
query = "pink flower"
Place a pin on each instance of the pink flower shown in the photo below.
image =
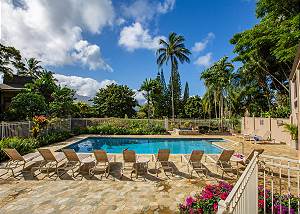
(261, 203)
(216, 207)
(189, 201)
(224, 195)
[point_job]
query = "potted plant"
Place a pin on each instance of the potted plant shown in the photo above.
(293, 130)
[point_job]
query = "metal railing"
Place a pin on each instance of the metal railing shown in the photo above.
(15, 129)
(243, 197)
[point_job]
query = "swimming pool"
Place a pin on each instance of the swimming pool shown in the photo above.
(146, 145)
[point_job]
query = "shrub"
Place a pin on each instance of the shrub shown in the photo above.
(53, 137)
(207, 200)
(23, 145)
(128, 127)
(279, 202)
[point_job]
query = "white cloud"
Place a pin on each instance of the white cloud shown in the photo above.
(83, 86)
(200, 46)
(205, 60)
(135, 37)
(139, 96)
(89, 55)
(146, 10)
(166, 6)
(49, 30)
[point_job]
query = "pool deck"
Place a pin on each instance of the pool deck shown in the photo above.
(160, 194)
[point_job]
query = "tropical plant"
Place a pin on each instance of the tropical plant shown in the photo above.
(32, 68)
(292, 129)
(193, 107)
(172, 51)
(115, 101)
(39, 122)
(26, 105)
(148, 86)
(10, 58)
(217, 80)
(63, 102)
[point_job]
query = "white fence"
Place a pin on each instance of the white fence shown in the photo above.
(279, 181)
(243, 197)
(23, 129)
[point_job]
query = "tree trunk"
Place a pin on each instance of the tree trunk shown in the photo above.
(172, 92)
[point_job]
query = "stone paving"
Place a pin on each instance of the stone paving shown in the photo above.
(160, 194)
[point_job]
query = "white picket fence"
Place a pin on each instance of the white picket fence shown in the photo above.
(23, 129)
(277, 175)
(243, 197)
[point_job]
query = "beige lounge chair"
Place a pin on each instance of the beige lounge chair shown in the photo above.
(162, 161)
(16, 160)
(51, 161)
(247, 159)
(129, 160)
(75, 161)
(193, 161)
(223, 162)
(102, 163)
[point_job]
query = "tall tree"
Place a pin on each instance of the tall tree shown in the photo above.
(176, 83)
(172, 51)
(115, 101)
(148, 86)
(32, 68)
(10, 60)
(267, 51)
(218, 79)
(186, 93)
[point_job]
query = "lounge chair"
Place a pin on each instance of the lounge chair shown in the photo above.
(102, 163)
(75, 161)
(264, 137)
(193, 161)
(51, 161)
(223, 162)
(16, 160)
(162, 161)
(129, 159)
(245, 161)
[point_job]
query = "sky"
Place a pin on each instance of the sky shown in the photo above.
(92, 43)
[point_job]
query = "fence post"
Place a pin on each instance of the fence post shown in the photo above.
(70, 123)
(29, 127)
(166, 124)
(2, 129)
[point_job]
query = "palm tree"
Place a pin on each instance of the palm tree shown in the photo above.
(148, 86)
(218, 79)
(173, 50)
(32, 69)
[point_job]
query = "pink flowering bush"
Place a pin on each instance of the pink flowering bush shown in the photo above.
(281, 202)
(207, 200)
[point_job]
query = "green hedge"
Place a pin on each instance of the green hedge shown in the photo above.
(123, 128)
(53, 137)
(23, 145)
(26, 145)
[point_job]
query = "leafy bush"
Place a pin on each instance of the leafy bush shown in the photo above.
(292, 129)
(128, 127)
(207, 200)
(23, 145)
(279, 202)
(53, 137)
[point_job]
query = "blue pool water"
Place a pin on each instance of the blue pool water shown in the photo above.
(146, 145)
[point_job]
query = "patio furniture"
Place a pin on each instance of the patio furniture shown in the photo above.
(223, 162)
(264, 137)
(102, 163)
(129, 159)
(162, 161)
(140, 168)
(75, 160)
(16, 160)
(51, 161)
(247, 160)
(193, 161)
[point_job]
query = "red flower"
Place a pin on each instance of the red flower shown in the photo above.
(224, 195)
(216, 207)
(261, 203)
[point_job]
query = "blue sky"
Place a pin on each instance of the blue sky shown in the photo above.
(115, 41)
